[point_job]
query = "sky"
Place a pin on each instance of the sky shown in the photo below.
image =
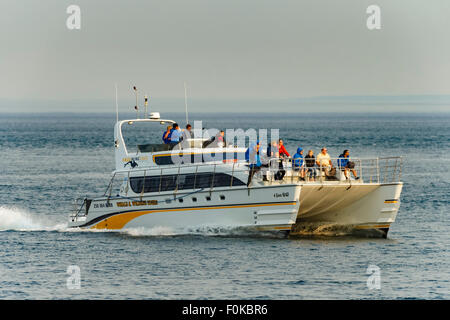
(235, 55)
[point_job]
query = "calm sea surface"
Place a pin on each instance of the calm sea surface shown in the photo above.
(48, 160)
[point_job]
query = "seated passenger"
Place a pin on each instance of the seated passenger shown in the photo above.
(220, 139)
(310, 162)
(297, 163)
(346, 165)
(324, 161)
(272, 150)
(166, 135)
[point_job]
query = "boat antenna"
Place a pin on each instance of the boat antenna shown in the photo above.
(117, 107)
(185, 103)
(136, 106)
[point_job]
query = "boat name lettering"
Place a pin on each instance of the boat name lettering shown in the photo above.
(102, 205)
(282, 194)
(137, 203)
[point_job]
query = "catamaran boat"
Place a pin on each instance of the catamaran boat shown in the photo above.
(192, 185)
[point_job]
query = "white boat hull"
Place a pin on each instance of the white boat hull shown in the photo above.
(339, 206)
(262, 208)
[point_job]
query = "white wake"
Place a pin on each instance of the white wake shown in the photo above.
(19, 219)
(156, 231)
(16, 219)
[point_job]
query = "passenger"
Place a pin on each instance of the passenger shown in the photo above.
(297, 163)
(254, 160)
(175, 136)
(346, 165)
(272, 150)
(324, 161)
(310, 162)
(270, 161)
(282, 154)
(282, 149)
(186, 136)
(273, 158)
(266, 160)
(166, 135)
(220, 139)
(187, 133)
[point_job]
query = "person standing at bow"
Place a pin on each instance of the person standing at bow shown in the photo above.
(254, 160)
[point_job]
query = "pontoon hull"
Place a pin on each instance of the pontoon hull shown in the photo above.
(337, 208)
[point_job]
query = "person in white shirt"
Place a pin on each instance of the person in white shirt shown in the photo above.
(186, 135)
(323, 161)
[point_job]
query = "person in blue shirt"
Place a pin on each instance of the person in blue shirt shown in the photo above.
(346, 165)
(297, 163)
(175, 135)
(254, 160)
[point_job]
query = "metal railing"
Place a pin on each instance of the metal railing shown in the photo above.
(377, 170)
(235, 169)
(373, 170)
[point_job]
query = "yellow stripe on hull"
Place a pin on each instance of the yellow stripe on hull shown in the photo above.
(120, 220)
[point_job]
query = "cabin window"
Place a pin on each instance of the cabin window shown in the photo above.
(186, 181)
(222, 180)
(168, 183)
(203, 180)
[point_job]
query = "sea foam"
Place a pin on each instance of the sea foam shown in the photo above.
(17, 219)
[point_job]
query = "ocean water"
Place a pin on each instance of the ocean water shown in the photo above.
(47, 160)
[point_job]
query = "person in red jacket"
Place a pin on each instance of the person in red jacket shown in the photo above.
(282, 154)
(282, 150)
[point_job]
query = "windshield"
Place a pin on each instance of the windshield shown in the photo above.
(142, 133)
